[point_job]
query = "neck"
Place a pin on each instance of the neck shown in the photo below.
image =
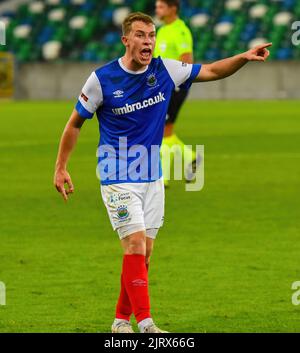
(132, 65)
(170, 19)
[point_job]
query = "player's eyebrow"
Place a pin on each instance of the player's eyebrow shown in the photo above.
(143, 32)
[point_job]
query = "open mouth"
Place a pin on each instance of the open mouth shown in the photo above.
(146, 53)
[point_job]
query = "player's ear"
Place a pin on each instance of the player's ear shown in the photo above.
(124, 40)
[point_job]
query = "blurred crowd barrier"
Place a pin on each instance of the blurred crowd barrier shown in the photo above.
(270, 80)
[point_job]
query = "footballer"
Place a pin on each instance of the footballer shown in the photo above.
(130, 97)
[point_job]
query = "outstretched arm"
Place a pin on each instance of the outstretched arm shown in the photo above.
(226, 67)
(67, 143)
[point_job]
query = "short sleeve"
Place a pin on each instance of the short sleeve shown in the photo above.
(91, 97)
(184, 44)
(182, 74)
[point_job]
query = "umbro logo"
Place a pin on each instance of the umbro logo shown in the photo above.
(139, 283)
(118, 93)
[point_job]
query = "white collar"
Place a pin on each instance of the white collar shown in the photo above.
(131, 71)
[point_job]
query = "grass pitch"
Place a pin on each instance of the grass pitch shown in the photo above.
(224, 260)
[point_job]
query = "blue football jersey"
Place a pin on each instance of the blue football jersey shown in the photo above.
(131, 108)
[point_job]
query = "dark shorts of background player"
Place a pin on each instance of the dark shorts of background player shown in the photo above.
(177, 99)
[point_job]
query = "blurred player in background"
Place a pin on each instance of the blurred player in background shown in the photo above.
(173, 41)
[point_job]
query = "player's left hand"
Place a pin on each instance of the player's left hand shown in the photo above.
(258, 53)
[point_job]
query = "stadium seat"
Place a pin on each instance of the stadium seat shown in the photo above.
(119, 15)
(258, 11)
(57, 15)
(22, 32)
(36, 7)
(199, 20)
(51, 50)
(90, 30)
(233, 5)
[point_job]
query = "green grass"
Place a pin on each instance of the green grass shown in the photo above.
(224, 260)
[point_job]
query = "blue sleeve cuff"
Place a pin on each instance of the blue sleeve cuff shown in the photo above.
(83, 112)
(195, 71)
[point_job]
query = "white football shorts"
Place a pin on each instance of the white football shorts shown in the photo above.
(135, 206)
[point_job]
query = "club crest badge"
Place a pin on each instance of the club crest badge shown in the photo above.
(151, 80)
(122, 212)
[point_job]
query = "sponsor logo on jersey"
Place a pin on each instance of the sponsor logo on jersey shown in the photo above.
(151, 80)
(184, 64)
(128, 108)
(84, 97)
(118, 94)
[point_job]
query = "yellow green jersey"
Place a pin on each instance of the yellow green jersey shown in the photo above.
(173, 40)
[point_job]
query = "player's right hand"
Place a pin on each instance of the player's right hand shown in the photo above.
(258, 53)
(62, 177)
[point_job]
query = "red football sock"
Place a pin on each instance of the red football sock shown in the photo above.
(135, 278)
(124, 309)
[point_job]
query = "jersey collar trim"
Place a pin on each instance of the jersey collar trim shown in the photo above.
(130, 71)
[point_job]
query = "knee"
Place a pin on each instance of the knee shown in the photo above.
(136, 245)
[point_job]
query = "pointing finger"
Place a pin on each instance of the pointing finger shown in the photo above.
(265, 45)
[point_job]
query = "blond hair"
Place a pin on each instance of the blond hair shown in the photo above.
(133, 17)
